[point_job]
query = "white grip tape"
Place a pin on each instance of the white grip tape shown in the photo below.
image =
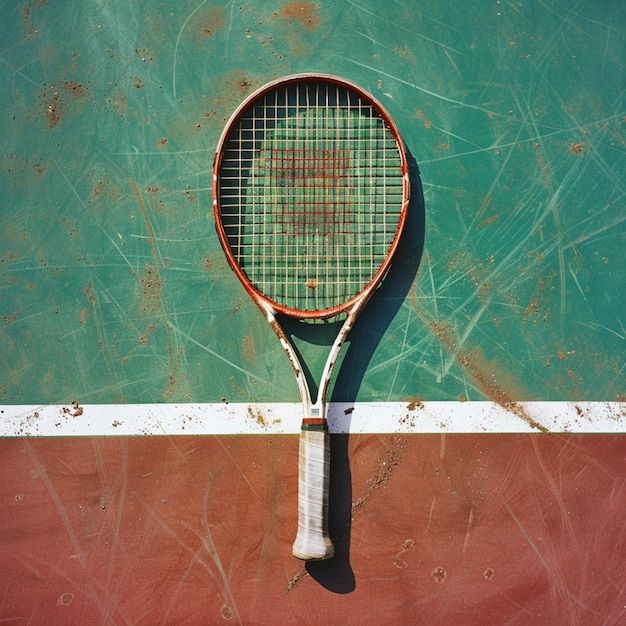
(313, 541)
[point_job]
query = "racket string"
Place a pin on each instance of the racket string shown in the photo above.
(311, 193)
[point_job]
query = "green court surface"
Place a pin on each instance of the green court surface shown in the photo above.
(509, 283)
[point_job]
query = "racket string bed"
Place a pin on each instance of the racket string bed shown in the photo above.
(309, 211)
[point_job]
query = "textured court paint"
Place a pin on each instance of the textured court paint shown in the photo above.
(509, 282)
(434, 529)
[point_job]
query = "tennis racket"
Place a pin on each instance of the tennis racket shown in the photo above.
(310, 195)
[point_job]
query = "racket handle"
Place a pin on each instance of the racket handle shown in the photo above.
(313, 541)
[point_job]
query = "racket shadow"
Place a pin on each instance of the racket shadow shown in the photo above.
(380, 311)
(336, 574)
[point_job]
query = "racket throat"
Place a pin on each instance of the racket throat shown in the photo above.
(313, 350)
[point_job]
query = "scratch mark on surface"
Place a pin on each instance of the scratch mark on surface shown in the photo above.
(398, 561)
(209, 544)
(18, 71)
(423, 89)
(386, 468)
(558, 495)
(442, 447)
(180, 33)
(380, 18)
(470, 327)
(469, 528)
(232, 458)
(195, 557)
(152, 238)
(121, 253)
(41, 471)
(526, 536)
(103, 343)
(596, 326)
(120, 486)
(67, 180)
(431, 512)
(576, 281)
(436, 309)
(400, 356)
(499, 146)
(211, 352)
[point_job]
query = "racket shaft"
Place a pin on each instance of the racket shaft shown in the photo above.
(313, 541)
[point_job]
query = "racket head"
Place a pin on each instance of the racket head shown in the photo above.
(310, 194)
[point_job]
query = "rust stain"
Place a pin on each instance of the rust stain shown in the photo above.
(31, 31)
(386, 468)
(488, 221)
(147, 222)
(576, 148)
(257, 415)
(151, 283)
(151, 287)
(144, 338)
(488, 375)
(533, 307)
(89, 291)
(476, 271)
(415, 405)
(296, 579)
(10, 319)
(104, 189)
(409, 418)
(145, 54)
(73, 88)
(53, 108)
(75, 411)
(305, 13)
(248, 348)
(210, 21)
(239, 82)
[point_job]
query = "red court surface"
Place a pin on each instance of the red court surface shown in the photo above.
(436, 529)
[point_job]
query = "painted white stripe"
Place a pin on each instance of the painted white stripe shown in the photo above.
(284, 418)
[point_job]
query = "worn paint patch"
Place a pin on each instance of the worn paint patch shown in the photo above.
(305, 13)
(387, 465)
(210, 21)
(488, 376)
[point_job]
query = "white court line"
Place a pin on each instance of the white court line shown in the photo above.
(94, 420)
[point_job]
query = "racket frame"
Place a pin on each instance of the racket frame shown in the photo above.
(313, 541)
